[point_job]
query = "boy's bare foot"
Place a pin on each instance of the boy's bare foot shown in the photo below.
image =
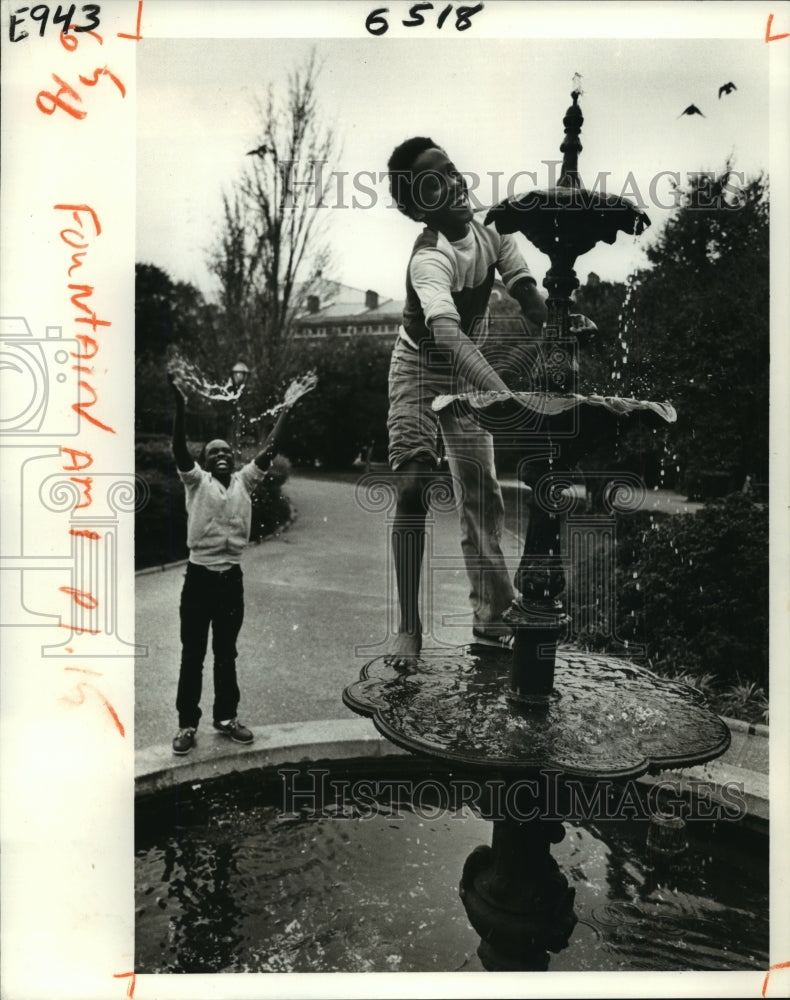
(405, 650)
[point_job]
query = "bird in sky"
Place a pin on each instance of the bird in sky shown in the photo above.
(260, 151)
(726, 88)
(692, 109)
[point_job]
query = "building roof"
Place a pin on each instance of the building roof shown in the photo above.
(341, 313)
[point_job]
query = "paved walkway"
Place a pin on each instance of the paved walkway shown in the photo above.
(317, 604)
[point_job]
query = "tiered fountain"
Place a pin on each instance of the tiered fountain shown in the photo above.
(541, 715)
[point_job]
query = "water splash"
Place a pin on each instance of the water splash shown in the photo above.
(189, 377)
(299, 387)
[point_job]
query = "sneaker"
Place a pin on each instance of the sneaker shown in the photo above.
(504, 640)
(184, 740)
(234, 729)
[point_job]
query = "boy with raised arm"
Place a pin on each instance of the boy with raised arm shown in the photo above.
(219, 513)
(448, 284)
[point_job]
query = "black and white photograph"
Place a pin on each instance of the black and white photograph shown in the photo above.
(395, 499)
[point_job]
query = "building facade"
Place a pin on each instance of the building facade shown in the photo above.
(337, 310)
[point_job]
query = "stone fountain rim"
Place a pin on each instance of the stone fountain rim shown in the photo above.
(352, 738)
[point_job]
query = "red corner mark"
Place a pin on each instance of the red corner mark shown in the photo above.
(137, 37)
(773, 38)
(771, 968)
(132, 979)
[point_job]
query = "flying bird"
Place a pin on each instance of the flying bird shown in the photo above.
(726, 88)
(260, 151)
(692, 109)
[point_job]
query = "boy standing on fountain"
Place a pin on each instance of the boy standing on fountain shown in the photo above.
(219, 512)
(448, 285)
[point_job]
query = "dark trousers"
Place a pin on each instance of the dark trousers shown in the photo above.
(215, 599)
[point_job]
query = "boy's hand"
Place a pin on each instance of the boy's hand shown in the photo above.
(176, 389)
(298, 388)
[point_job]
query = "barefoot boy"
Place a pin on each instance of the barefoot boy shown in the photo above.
(448, 284)
(219, 511)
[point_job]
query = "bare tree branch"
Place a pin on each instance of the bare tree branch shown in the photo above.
(273, 247)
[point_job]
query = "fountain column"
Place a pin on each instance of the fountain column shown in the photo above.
(538, 614)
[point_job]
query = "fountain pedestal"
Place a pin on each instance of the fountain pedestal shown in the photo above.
(537, 615)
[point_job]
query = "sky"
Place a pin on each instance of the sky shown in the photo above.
(496, 105)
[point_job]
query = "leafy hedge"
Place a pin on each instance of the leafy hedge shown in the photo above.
(693, 589)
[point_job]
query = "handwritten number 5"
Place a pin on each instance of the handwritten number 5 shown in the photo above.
(416, 17)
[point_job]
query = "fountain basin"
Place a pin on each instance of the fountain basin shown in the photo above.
(606, 717)
(224, 884)
(573, 422)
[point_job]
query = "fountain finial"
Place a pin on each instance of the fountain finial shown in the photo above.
(571, 146)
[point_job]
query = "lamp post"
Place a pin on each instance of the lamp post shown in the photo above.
(238, 375)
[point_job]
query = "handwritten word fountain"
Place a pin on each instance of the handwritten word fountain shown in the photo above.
(525, 721)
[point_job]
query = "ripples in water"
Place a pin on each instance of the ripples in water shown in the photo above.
(232, 889)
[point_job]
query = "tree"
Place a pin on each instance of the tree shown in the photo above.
(272, 250)
(169, 316)
(699, 323)
(347, 413)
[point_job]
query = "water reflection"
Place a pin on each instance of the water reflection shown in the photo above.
(191, 883)
(241, 890)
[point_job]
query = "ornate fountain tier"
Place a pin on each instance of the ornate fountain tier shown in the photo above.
(573, 422)
(557, 430)
(567, 219)
(547, 407)
(606, 717)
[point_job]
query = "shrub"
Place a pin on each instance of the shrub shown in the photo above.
(347, 413)
(271, 508)
(160, 527)
(693, 588)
